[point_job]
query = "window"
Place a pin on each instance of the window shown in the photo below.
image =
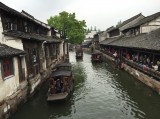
(34, 55)
(57, 49)
(25, 27)
(137, 31)
(37, 31)
(47, 51)
(7, 24)
(7, 67)
(10, 24)
(13, 26)
(51, 50)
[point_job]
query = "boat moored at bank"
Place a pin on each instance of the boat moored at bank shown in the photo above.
(97, 57)
(60, 82)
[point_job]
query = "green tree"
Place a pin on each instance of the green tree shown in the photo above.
(119, 23)
(88, 30)
(69, 26)
(99, 30)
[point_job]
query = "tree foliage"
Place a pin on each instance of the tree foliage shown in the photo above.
(119, 23)
(68, 26)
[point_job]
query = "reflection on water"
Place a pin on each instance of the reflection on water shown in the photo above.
(100, 92)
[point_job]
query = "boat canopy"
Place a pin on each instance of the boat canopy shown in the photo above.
(61, 73)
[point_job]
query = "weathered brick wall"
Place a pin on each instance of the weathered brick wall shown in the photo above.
(149, 81)
(10, 105)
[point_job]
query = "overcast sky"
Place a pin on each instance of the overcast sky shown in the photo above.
(99, 13)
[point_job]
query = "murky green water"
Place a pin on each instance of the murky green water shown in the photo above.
(101, 92)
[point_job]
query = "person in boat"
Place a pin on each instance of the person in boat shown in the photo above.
(61, 85)
(155, 66)
(115, 54)
(122, 66)
(52, 86)
(66, 87)
(117, 61)
(149, 63)
(98, 56)
(58, 86)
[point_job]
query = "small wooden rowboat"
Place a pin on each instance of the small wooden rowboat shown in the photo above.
(60, 85)
(97, 57)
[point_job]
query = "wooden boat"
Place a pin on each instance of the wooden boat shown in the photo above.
(60, 85)
(97, 57)
(71, 47)
(79, 52)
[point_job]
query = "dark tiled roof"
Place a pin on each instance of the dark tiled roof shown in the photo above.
(123, 23)
(31, 36)
(10, 10)
(35, 20)
(61, 73)
(14, 12)
(149, 41)
(146, 19)
(108, 40)
(6, 51)
(24, 12)
(110, 28)
(129, 20)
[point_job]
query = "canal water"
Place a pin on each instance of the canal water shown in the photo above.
(100, 92)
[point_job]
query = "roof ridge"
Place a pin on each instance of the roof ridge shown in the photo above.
(130, 19)
(27, 14)
(146, 19)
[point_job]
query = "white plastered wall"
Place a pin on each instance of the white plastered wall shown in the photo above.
(12, 42)
(61, 48)
(150, 26)
(103, 36)
(66, 48)
(10, 84)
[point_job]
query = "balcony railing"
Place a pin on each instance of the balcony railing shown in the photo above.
(145, 69)
(149, 71)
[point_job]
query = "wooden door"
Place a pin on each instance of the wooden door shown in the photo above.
(21, 70)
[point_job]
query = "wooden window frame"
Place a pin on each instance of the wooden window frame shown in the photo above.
(34, 55)
(7, 68)
(25, 25)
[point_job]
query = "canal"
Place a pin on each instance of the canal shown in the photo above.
(100, 92)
